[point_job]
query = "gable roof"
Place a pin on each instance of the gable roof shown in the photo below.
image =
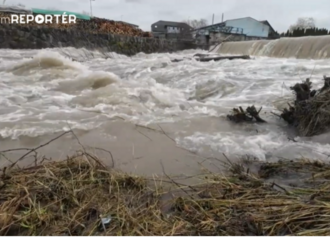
(268, 24)
(263, 22)
(172, 23)
(212, 25)
(242, 18)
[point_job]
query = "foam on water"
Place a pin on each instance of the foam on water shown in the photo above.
(43, 91)
(309, 47)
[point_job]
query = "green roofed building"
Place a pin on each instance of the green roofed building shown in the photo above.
(59, 12)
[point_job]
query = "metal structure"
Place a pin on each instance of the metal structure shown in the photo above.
(219, 28)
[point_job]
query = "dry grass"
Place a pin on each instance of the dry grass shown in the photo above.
(70, 198)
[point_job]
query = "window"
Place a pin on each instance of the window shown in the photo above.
(155, 26)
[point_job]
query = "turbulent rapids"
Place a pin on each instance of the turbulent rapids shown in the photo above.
(167, 121)
(48, 91)
(309, 47)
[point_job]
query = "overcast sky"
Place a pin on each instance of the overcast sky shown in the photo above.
(280, 13)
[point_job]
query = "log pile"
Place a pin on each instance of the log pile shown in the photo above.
(95, 25)
(113, 27)
(100, 25)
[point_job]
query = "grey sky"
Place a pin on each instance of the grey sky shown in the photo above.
(280, 13)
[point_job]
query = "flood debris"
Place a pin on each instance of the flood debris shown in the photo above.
(105, 222)
(310, 112)
(251, 114)
(80, 197)
(205, 54)
(208, 58)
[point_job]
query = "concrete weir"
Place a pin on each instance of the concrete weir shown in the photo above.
(309, 47)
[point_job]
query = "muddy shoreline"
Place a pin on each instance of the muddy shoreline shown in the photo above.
(135, 149)
(82, 196)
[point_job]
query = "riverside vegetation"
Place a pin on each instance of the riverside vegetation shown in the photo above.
(82, 195)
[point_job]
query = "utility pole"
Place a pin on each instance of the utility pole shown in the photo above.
(90, 1)
(222, 18)
(213, 19)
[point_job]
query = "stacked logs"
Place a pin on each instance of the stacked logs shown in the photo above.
(113, 27)
(94, 25)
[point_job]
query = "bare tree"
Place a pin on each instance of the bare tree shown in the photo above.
(303, 23)
(196, 23)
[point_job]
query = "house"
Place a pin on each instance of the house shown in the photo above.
(247, 26)
(272, 33)
(171, 30)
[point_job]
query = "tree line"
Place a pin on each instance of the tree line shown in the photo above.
(300, 32)
(305, 26)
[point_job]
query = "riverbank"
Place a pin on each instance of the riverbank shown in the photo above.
(82, 195)
(34, 37)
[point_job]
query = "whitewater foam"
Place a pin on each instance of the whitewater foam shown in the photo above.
(308, 47)
(46, 90)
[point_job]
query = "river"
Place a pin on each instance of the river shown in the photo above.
(108, 99)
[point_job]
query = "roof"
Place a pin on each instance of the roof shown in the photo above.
(268, 24)
(172, 23)
(223, 23)
(242, 18)
(213, 25)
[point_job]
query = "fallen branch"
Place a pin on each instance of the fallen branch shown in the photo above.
(249, 115)
(34, 149)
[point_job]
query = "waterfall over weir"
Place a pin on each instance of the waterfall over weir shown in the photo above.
(310, 47)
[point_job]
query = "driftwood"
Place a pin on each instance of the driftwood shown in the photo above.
(310, 113)
(249, 115)
(203, 58)
(206, 59)
(204, 54)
